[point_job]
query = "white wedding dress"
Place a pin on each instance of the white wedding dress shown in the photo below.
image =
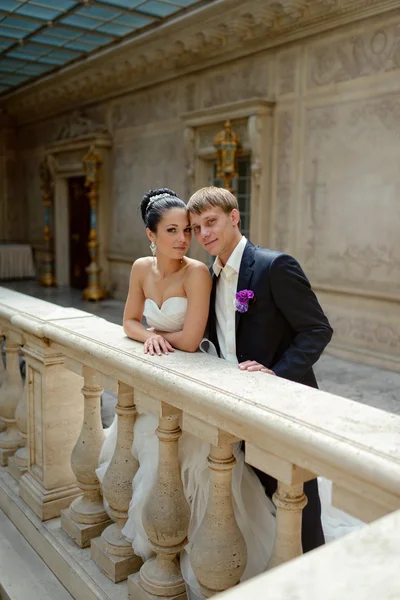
(253, 510)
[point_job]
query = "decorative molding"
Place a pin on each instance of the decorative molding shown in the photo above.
(214, 34)
(233, 111)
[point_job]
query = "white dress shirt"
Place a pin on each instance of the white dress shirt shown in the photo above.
(225, 301)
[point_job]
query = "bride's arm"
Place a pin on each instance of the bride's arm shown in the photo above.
(197, 287)
(133, 312)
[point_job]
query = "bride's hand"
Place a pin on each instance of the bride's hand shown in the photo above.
(156, 344)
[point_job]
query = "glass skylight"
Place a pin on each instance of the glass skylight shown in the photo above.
(38, 36)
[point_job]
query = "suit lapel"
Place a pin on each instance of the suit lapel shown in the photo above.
(245, 274)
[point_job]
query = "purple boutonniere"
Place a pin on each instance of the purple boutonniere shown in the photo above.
(242, 300)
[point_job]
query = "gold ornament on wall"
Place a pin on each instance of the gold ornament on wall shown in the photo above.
(91, 164)
(228, 146)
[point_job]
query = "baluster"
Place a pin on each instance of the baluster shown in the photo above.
(289, 500)
(2, 367)
(86, 518)
(18, 464)
(112, 552)
(166, 516)
(218, 554)
(10, 394)
(2, 378)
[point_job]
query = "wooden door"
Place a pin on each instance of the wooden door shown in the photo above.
(79, 227)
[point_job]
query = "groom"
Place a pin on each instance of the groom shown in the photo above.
(284, 331)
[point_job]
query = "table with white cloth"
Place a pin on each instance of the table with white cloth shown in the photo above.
(16, 262)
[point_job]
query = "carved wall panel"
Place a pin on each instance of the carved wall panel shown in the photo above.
(366, 53)
(237, 81)
(350, 197)
(157, 104)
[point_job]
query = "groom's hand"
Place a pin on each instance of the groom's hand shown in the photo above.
(253, 365)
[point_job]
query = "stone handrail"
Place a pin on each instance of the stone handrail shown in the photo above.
(291, 432)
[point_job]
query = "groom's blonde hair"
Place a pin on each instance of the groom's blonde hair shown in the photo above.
(212, 196)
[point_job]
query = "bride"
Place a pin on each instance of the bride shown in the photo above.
(172, 292)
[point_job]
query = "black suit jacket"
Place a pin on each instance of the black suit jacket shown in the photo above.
(284, 328)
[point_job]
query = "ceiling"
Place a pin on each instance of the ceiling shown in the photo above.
(40, 36)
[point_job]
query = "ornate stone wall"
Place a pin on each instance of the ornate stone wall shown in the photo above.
(337, 180)
(335, 177)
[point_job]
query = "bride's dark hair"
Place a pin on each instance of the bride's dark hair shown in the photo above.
(155, 203)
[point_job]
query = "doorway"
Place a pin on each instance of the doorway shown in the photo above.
(79, 228)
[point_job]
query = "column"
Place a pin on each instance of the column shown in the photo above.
(91, 164)
(54, 416)
(47, 186)
(112, 552)
(166, 517)
(11, 393)
(218, 553)
(86, 517)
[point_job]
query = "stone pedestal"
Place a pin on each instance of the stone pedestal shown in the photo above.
(55, 412)
(81, 533)
(117, 568)
(46, 503)
(136, 592)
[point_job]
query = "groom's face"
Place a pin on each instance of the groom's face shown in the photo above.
(215, 229)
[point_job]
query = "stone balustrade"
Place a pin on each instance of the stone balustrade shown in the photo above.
(292, 432)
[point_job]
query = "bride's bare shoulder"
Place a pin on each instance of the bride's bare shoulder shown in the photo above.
(196, 266)
(141, 265)
(197, 269)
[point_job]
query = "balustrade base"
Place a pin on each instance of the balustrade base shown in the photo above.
(82, 533)
(69, 563)
(136, 592)
(5, 455)
(46, 504)
(15, 469)
(117, 568)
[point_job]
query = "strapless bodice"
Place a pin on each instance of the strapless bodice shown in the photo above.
(170, 317)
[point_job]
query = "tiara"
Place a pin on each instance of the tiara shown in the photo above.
(158, 197)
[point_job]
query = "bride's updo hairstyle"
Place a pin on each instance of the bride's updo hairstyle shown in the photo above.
(157, 202)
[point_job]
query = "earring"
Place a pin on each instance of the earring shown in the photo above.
(153, 249)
